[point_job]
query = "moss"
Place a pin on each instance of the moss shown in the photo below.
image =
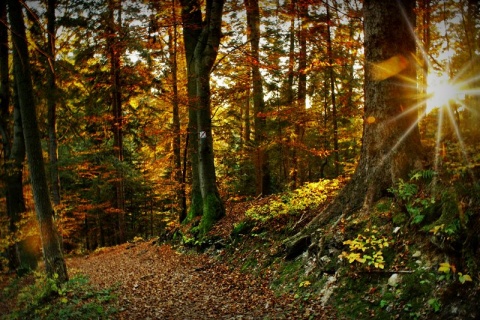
(399, 218)
(196, 207)
(288, 276)
(243, 227)
(213, 210)
(383, 205)
(358, 297)
(249, 265)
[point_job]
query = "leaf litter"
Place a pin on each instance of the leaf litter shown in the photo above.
(157, 282)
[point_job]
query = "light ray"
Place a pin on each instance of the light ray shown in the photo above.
(445, 91)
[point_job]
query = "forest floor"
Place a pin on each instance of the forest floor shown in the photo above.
(240, 271)
(157, 282)
(151, 279)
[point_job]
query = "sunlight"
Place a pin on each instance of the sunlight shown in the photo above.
(447, 92)
(441, 91)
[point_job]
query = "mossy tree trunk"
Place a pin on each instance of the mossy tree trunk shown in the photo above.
(391, 145)
(191, 32)
(52, 250)
(202, 39)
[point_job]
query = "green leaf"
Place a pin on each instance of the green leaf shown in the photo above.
(418, 219)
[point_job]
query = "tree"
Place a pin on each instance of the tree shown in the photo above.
(201, 40)
(262, 174)
(178, 175)
(114, 51)
(4, 77)
(52, 250)
(51, 102)
(391, 146)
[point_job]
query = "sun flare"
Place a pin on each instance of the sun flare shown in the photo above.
(441, 91)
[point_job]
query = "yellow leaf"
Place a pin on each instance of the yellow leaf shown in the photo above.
(466, 277)
(444, 267)
(361, 260)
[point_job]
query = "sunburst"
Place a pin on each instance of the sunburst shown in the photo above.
(445, 92)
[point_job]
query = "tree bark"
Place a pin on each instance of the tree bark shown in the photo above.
(52, 252)
(25, 255)
(192, 19)
(205, 46)
(391, 141)
(21, 256)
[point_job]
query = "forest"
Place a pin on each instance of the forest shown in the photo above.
(239, 159)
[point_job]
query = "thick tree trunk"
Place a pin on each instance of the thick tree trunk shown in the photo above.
(191, 18)
(25, 256)
(200, 61)
(262, 173)
(21, 256)
(52, 252)
(391, 140)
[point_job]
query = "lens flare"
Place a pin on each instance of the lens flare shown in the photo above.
(441, 92)
(448, 91)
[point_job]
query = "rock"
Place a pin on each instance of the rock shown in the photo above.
(394, 280)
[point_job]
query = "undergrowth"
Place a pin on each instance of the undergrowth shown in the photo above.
(44, 299)
(310, 196)
(410, 257)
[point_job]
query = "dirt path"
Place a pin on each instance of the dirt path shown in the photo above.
(156, 282)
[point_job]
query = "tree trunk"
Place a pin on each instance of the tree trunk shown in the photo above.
(205, 48)
(292, 169)
(302, 93)
(21, 257)
(391, 141)
(177, 158)
(191, 32)
(332, 89)
(51, 104)
(4, 80)
(25, 255)
(114, 48)
(262, 173)
(52, 252)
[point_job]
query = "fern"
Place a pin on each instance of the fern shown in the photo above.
(426, 175)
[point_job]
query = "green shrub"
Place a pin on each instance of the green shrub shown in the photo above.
(76, 299)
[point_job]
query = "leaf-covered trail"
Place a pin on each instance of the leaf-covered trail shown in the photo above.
(157, 282)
